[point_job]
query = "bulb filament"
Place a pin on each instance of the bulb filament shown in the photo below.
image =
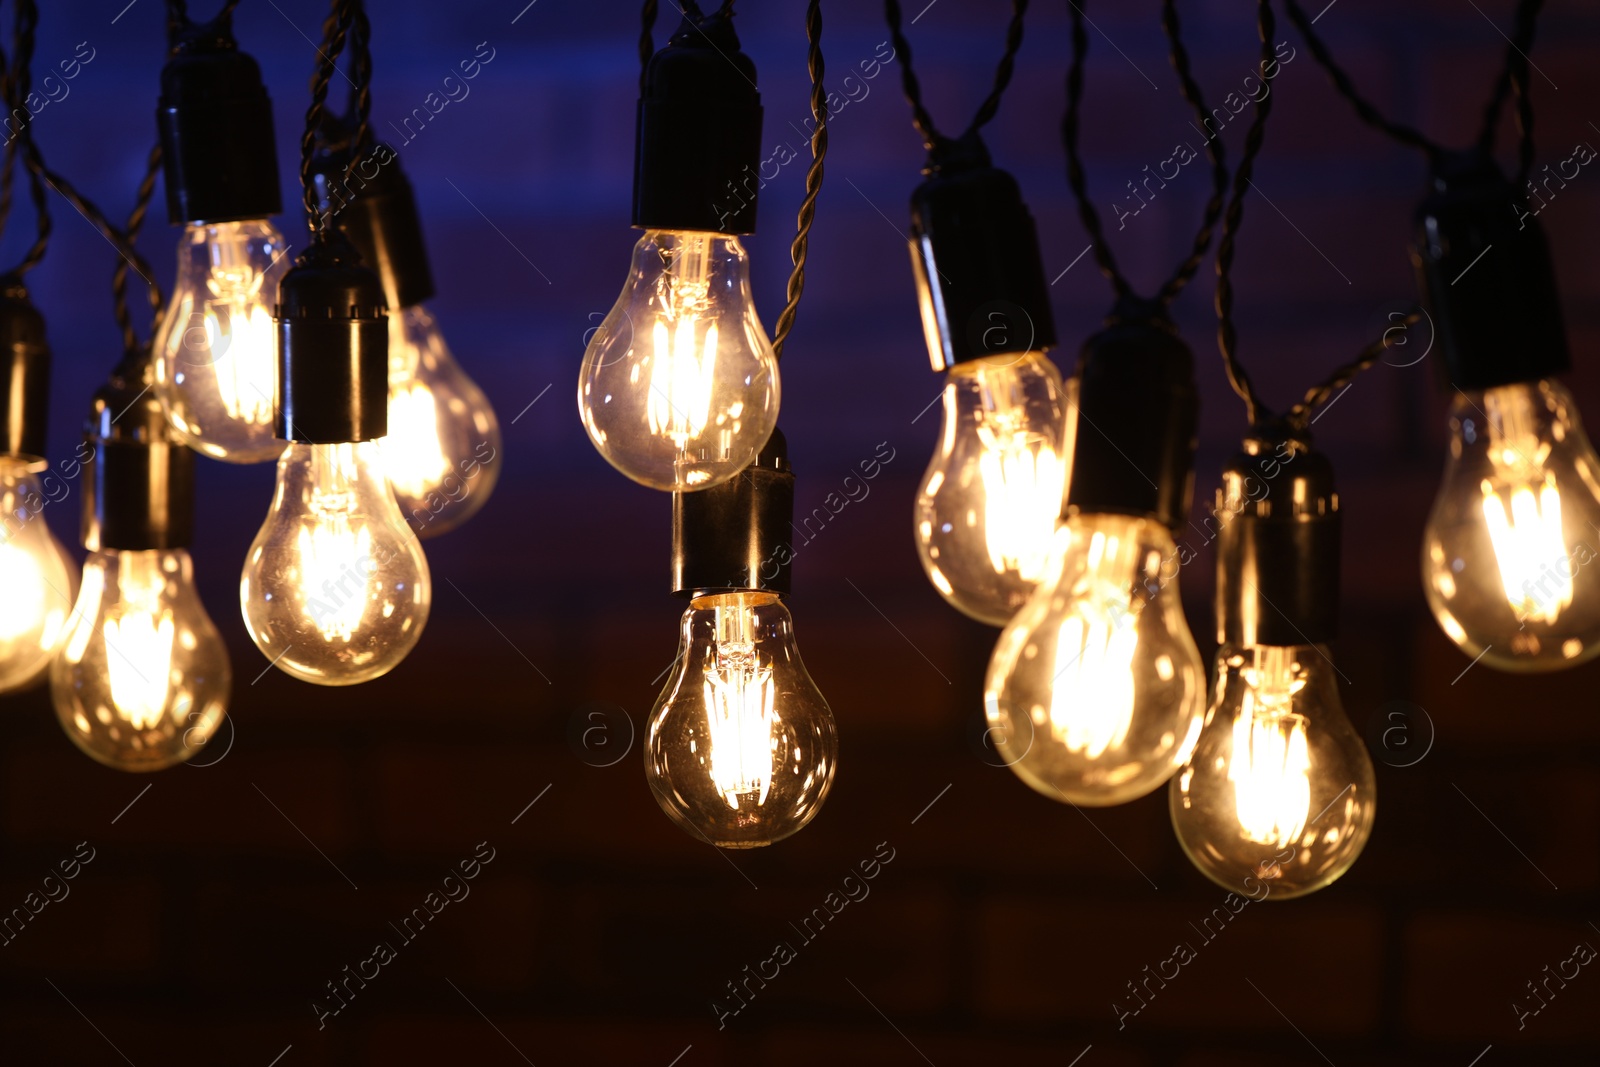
(1023, 480)
(139, 637)
(1092, 697)
(741, 721)
(1271, 764)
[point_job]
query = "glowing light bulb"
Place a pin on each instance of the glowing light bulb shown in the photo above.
(679, 387)
(143, 681)
(741, 748)
(988, 505)
(1094, 693)
(1510, 550)
(1281, 790)
(216, 356)
(37, 579)
(442, 453)
(335, 589)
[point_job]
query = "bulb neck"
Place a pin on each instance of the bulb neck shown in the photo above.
(1137, 419)
(215, 119)
(975, 255)
(1484, 270)
(138, 480)
(697, 157)
(24, 374)
(734, 537)
(333, 349)
(375, 207)
(1278, 545)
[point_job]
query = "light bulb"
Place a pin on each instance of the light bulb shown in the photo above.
(335, 589)
(37, 579)
(1280, 790)
(679, 387)
(741, 747)
(216, 357)
(143, 681)
(1510, 552)
(989, 501)
(442, 452)
(1094, 693)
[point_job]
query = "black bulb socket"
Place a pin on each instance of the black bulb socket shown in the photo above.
(333, 348)
(734, 537)
(975, 256)
(215, 119)
(1135, 425)
(24, 375)
(697, 160)
(372, 203)
(1277, 544)
(138, 479)
(1487, 281)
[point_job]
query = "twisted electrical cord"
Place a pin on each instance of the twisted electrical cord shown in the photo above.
(18, 86)
(119, 278)
(1077, 179)
(932, 139)
(1227, 333)
(1214, 152)
(1298, 418)
(819, 150)
(335, 31)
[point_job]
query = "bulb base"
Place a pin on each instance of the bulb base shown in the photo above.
(734, 537)
(1484, 269)
(697, 159)
(138, 481)
(333, 349)
(24, 374)
(215, 120)
(1136, 422)
(1277, 545)
(975, 256)
(377, 210)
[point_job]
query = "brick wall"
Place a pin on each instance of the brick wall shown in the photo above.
(222, 901)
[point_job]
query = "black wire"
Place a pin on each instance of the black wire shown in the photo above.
(1214, 151)
(1298, 417)
(932, 139)
(119, 277)
(18, 87)
(1076, 178)
(1515, 71)
(1227, 334)
(647, 48)
(335, 31)
(819, 150)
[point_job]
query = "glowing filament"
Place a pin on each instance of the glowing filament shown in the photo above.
(239, 335)
(1529, 550)
(1091, 696)
(741, 723)
(335, 559)
(23, 581)
(140, 664)
(1022, 486)
(1271, 763)
(412, 453)
(681, 377)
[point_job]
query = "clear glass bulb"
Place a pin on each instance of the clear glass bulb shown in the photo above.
(1280, 790)
(679, 387)
(37, 579)
(741, 749)
(1095, 691)
(143, 681)
(988, 505)
(335, 589)
(216, 357)
(1511, 552)
(442, 453)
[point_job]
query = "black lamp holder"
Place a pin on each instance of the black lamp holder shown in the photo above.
(374, 205)
(1137, 419)
(696, 163)
(333, 348)
(975, 255)
(734, 537)
(1278, 544)
(138, 481)
(215, 120)
(1484, 269)
(24, 375)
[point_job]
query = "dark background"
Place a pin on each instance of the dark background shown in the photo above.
(220, 903)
